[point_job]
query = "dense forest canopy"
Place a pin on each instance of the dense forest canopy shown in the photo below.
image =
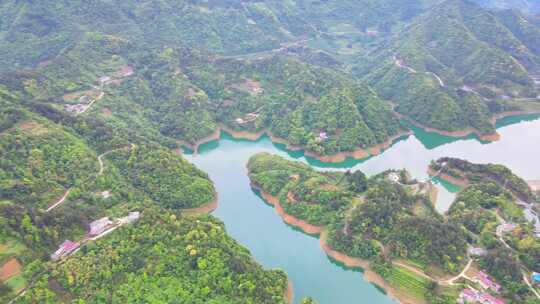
(98, 98)
(383, 212)
(388, 220)
(493, 200)
(179, 259)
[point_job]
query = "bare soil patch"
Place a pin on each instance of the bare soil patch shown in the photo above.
(106, 112)
(250, 86)
(9, 269)
(32, 127)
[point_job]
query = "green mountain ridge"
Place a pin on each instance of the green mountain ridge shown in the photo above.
(456, 65)
(97, 97)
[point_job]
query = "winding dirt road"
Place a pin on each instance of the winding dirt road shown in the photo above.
(101, 94)
(399, 62)
(100, 172)
(60, 201)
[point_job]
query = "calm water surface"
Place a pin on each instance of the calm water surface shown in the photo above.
(277, 245)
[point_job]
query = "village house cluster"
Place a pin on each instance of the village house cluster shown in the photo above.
(116, 78)
(471, 295)
(96, 229)
(393, 177)
(486, 282)
(86, 100)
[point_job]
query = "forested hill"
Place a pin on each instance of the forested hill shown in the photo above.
(456, 65)
(183, 95)
(36, 31)
(60, 172)
(166, 258)
(388, 220)
(531, 7)
(448, 65)
(498, 212)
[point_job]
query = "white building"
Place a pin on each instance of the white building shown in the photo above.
(99, 226)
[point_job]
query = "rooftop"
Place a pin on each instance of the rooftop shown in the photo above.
(485, 280)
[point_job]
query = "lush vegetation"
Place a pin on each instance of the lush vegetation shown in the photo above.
(166, 178)
(373, 218)
(131, 81)
(303, 192)
(480, 208)
(165, 257)
(296, 102)
(389, 222)
(47, 154)
(389, 215)
(456, 65)
(40, 160)
(462, 169)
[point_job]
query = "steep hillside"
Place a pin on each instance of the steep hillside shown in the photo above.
(296, 102)
(531, 7)
(455, 66)
(182, 96)
(33, 32)
(54, 183)
(177, 260)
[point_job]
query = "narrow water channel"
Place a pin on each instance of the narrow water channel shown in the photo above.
(276, 245)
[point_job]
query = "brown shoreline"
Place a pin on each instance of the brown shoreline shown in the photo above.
(348, 261)
(369, 275)
(204, 209)
(459, 133)
(254, 136)
(195, 146)
(287, 218)
(359, 153)
(459, 182)
(505, 114)
(289, 292)
(468, 131)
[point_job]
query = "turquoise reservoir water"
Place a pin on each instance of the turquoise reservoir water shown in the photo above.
(277, 245)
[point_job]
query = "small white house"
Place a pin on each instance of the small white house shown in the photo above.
(64, 249)
(104, 79)
(477, 251)
(99, 226)
(393, 177)
(133, 216)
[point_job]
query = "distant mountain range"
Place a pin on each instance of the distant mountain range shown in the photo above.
(448, 65)
(456, 65)
(527, 6)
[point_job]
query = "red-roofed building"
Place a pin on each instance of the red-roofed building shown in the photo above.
(468, 296)
(486, 298)
(486, 282)
(64, 249)
(125, 71)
